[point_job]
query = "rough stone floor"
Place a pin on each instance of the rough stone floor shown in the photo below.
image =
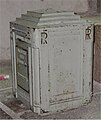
(15, 109)
(10, 108)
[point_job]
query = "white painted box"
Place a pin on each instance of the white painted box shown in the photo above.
(52, 60)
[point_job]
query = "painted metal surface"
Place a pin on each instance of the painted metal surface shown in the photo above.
(57, 60)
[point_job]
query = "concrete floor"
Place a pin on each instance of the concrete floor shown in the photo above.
(18, 110)
(15, 109)
(10, 108)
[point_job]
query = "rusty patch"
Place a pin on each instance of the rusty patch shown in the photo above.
(97, 55)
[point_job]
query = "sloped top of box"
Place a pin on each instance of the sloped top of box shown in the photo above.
(47, 18)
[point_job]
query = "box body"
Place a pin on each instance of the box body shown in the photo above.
(52, 62)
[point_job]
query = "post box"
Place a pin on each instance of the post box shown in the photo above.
(51, 60)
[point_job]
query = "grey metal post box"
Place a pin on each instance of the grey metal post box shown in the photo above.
(52, 60)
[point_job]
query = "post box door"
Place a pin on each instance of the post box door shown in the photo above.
(22, 65)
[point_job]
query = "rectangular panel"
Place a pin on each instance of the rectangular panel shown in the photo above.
(65, 66)
(22, 68)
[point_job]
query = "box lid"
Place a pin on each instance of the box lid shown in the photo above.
(48, 18)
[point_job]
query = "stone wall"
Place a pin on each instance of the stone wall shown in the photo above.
(92, 6)
(99, 6)
(10, 9)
